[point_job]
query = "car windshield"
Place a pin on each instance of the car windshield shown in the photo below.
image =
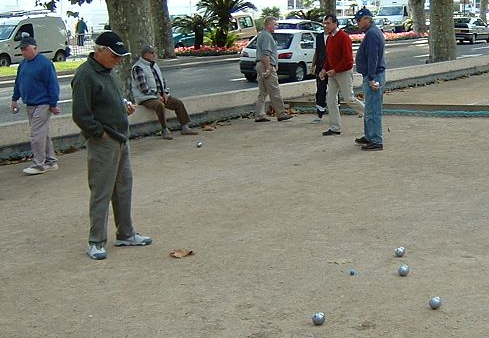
(342, 21)
(6, 31)
(286, 25)
(283, 40)
(389, 11)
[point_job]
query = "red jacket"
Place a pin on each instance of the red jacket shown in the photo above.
(339, 54)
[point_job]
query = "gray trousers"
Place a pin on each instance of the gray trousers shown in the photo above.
(268, 87)
(341, 82)
(41, 144)
(109, 180)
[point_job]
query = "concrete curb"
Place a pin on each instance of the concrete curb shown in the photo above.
(15, 136)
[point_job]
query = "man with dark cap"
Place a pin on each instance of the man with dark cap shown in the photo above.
(370, 63)
(100, 110)
(149, 89)
(36, 83)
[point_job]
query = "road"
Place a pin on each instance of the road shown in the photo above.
(220, 77)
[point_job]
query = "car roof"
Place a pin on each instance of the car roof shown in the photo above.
(294, 21)
(293, 31)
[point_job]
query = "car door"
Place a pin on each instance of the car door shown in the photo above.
(482, 29)
(307, 46)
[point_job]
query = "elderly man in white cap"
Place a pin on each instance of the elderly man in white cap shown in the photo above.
(100, 110)
(149, 89)
(36, 83)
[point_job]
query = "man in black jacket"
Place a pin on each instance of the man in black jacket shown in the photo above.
(321, 84)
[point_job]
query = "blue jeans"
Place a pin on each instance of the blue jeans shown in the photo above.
(372, 122)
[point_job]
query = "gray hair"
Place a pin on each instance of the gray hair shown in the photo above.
(269, 20)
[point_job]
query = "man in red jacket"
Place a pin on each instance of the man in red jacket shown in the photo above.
(338, 67)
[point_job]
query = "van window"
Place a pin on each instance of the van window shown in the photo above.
(27, 28)
(6, 31)
(245, 22)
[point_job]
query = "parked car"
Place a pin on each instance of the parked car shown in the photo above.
(348, 24)
(470, 29)
(295, 52)
(183, 39)
(48, 29)
(306, 25)
(385, 25)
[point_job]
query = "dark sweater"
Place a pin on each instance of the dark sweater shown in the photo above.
(339, 52)
(36, 82)
(370, 55)
(98, 102)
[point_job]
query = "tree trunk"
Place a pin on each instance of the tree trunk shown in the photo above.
(419, 19)
(328, 7)
(442, 34)
(160, 18)
(483, 11)
(125, 19)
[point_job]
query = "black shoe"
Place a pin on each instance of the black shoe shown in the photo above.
(361, 140)
(331, 132)
(372, 147)
(284, 117)
(262, 119)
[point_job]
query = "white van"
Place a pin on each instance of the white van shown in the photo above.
(243, 26)
(48, 30)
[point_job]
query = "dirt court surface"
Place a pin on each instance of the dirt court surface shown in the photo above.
(277, 216)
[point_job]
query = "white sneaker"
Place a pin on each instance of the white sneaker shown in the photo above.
(316, 120)
(96, 252)
(35, 170)
(137, 239)
(51, 166)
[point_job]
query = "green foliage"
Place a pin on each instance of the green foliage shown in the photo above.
(260, 24)
(267, 11)
(211, 38)
(220, 11)
(312, 14)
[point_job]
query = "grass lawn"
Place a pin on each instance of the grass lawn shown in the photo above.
(60, 67)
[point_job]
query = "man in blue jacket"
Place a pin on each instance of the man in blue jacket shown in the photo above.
(36, 83)
(370, 63)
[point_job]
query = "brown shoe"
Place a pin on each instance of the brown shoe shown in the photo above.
(189, 132)
(284, 117)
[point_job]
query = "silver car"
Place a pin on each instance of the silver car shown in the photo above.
(470, 29)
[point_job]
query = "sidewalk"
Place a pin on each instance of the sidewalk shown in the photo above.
(277, 216)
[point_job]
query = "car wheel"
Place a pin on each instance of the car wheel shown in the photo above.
(299, 73)
(4, 60)
(473, 39)
(59, 56)
(250, 77)
(178, 45)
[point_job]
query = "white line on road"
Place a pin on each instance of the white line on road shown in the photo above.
(485, 47)
(468, 56)
(421, 56)
(238, 79)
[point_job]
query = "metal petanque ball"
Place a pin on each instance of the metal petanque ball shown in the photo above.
(435, 303)
(400, 251)
(403, 270)
(199, 144)
(318, 318)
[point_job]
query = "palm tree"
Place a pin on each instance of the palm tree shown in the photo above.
(197, 24)
(221, 11)
(313, 14)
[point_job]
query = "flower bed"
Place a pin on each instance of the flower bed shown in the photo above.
(239, 45)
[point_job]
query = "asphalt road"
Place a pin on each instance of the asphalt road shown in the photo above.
(219, 77)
